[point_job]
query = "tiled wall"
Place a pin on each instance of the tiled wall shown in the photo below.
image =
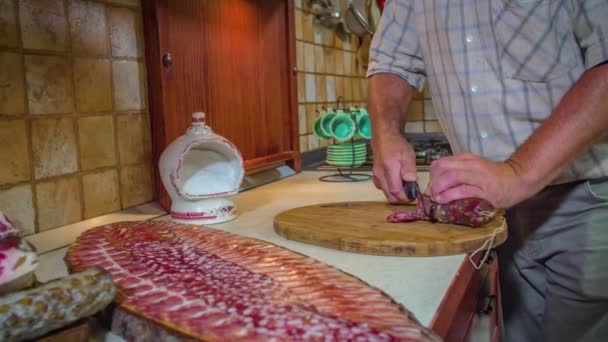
(74, 135)
(329, 67)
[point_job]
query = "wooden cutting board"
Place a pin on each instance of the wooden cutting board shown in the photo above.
(361, 227)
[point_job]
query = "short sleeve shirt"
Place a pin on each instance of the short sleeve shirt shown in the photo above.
(496, 69)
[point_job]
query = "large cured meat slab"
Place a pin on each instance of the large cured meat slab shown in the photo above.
(206, 284)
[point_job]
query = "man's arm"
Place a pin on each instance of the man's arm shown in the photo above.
(394, 159)
(578, 121)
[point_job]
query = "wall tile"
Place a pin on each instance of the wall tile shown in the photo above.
(356, 89)
(58, 202)
(136, 185)
(330, 62)
(339, 62)
(92, 85)
(131, 3)
(318, 30)
(432, 127)
(89, 35)
(49, 84)
(124, 36)
(311, 116)
(17, 203)
(331, 88)
(429, 110)
(339, 41)
(415, 111)
(348, 70)
(96, 142)
(348, 89)
(12, 87)
(44, 24)
(131, 138)
(329, 37)
(300, 56)
(354, 64)
(426, 91)
(307, 27)
(14, 155)
(8, 24)
(128, 85)
(311, 88)
(414, 127)
(54, 147)
(309, 57)
(298, 24)
(339, 87)
(313, 142)
(319, 59)
(321, 86)
(302, 119)
(354, 42)
(298, 3)
(100, 192)
(303, 143)
(301, 87)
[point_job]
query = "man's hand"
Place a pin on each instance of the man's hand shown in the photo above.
(467, 175)
(394, 162)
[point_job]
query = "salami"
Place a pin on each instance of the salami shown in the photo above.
(207, 284)
(472, 212)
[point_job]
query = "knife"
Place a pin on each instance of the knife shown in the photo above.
(411, 190)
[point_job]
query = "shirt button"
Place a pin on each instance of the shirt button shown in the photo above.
(484, 134)
(469, 38)
(474, 88)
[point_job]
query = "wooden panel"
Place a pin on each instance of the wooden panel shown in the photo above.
(231, 59)
(361, 227)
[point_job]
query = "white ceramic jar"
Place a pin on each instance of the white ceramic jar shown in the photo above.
(201, 170)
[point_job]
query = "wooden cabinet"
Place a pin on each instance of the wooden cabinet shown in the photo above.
(233, 60)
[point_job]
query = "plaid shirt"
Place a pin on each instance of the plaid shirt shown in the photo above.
(496, 68)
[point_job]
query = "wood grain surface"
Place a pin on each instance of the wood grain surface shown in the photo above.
(361, 227)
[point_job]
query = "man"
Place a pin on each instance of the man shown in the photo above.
(521, 91)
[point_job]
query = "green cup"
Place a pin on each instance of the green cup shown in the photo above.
(342, 126)
(317, 128)
(364, 125)
(325, 124)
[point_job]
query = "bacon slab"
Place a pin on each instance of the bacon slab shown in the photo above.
(207, 284)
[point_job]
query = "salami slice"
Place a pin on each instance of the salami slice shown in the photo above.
(203, 283)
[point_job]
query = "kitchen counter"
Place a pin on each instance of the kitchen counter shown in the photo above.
(418, 283)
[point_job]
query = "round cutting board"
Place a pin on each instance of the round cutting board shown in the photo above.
(361, 227)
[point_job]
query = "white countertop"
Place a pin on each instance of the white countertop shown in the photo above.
(419, 283)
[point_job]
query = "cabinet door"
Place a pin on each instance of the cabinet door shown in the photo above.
(233, 60)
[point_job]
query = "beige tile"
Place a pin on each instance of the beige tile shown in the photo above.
(340, 36)
(12, 88)
(339, 62)
(14, 155)
(311, 115)
(100, 192)
(321, 86)
(136, 185)
(348, 69)
(313, 142)
(307, 27)
(302, 119)
(49, 84)
(44, 24)
(298, 3)
(318, 30)
(128, 85)
(301, 87)
(303, 143)
(329, 37)
(54, 147)
(364, 88)
(417, 95)
(131, 3)
(414, 127)
(356, 89)
(300, 56)
(309, 57)
(354, 62)
(9, 35)
(89, 34)
(132, 138)
(92, 85)
(18, 205)
(426, 91)
(354, 42)
(330, 62)
(346, 42)
(96, 142)
(330, 87)
(429, 110)
(125, 35)
(415, 111)
(311, 88)
(348, 89)
(432, 127)
(339, 87)
(298, 24)
(319, 59)
(58, 202)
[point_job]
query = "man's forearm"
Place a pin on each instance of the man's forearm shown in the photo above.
(579, 120)
(389, 98)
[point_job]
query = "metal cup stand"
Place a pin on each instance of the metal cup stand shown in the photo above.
(347, 174)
